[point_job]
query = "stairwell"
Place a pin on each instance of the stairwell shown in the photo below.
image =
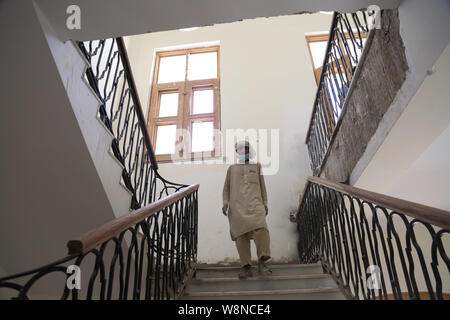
(287, 282)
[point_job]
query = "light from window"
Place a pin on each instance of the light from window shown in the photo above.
(318, 50)
(172, 69)
(203, 101)
(353, 48)
(189, 29)
(168, 106)
(202, 136)
(332, 88)
(202, 66)
(165, 139)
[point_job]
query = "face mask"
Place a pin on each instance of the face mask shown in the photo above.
(243, 157)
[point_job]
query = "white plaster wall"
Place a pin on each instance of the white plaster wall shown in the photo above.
(402, 156)
(424, 29)
(426, 180)
(266, 82)
(71, 67)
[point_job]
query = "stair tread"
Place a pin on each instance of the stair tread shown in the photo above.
(263, 292)
(259, 278)
(274, 266)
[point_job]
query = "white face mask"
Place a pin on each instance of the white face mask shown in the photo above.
(243, 157)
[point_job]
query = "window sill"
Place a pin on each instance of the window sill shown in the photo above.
(193, 160)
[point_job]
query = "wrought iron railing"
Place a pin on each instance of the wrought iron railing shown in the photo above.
(344, 49)
(375, 246)
(111, 79)
(147, 254)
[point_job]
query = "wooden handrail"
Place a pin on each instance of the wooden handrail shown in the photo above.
(112, 228)
(434, 216)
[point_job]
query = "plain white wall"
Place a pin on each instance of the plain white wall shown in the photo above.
(71, 66)
(266, 82)
(404, 153)
(424, 28)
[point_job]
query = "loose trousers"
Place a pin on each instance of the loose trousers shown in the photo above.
(262, 241)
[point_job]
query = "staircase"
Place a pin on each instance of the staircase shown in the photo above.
(148, 253)
(287, 282)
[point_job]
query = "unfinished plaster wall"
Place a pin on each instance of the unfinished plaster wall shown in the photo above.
(382, 72)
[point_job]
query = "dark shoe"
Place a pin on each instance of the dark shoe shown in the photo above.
(246, 272)
(264, 270)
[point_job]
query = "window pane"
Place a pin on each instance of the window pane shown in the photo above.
(202, 136)
(202, 66)
(168, 106)
(318, 52)
(165, 139)
(172, 69)
(203, 101)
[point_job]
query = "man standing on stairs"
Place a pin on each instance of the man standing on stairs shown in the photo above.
(245, 204)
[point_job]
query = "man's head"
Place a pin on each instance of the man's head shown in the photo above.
(244, 150)
(242, 147)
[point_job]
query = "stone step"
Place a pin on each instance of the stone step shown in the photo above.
(293, 294)
(261, 283)
(277, 270)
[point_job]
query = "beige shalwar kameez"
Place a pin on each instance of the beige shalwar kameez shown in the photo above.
(245, 194)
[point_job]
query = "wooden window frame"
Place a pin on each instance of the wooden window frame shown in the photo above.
(315, 38)
(185, 116)
(323, 38)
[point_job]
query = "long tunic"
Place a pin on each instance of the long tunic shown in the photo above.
(245, 193)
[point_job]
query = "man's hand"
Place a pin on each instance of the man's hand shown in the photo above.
(225, 209)
(267, 210)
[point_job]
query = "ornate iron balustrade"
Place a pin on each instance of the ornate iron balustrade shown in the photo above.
(111, 79)
(146, 254)
(344, 49)
(375, 246)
